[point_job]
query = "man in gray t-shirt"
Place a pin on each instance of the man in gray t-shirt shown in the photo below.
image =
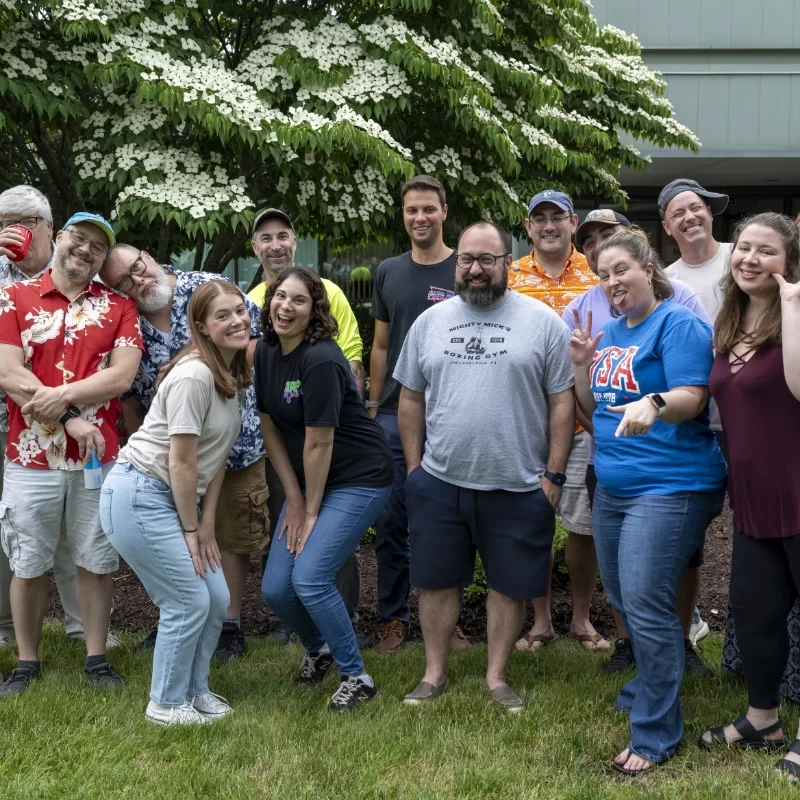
(488, 376)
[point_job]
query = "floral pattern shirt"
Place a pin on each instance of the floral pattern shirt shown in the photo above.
(62, 342)
(159, 349)
(11, 273)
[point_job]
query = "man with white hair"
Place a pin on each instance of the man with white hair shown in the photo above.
(26, 207)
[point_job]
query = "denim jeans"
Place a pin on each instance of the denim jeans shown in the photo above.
(303, 593)
(643, 546)
(139, 517)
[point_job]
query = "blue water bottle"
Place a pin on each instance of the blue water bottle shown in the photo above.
(93, 472)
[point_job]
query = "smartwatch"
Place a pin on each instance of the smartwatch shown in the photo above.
(659, 402)
(558, 478)
(70, 413)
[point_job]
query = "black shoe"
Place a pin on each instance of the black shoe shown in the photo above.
(103, 676)
(148, 643)
(363, 642)
(279, 633)
(622, 657)
(231, 643)
(313, 669)
(350, 694)
(18, 681)
(693, 663)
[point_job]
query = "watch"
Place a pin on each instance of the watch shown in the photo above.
(372, 404)
(70, 413)
(659, 402)
(558, 478)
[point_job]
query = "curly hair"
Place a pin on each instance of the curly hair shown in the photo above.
(321, 325)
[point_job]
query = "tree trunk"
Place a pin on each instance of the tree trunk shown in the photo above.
(163, 252)
(226, 246)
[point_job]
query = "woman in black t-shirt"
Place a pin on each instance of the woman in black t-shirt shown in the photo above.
(335, 468)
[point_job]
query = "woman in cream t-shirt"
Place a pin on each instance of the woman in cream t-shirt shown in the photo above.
(157, 505)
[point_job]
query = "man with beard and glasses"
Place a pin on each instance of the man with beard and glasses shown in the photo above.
(556, 273)
(69, 347)
(478, 485)
(275, 244)
(162, 295)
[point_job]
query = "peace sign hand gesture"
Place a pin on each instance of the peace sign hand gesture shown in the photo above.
(582, 344)
(790, 292)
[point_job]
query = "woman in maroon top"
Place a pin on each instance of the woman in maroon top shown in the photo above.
(756, 383)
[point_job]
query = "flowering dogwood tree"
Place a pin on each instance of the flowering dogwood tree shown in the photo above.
(179, 118)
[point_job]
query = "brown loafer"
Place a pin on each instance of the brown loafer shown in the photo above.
(394, 637)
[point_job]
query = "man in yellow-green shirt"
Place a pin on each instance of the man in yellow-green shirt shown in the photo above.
(274, 244)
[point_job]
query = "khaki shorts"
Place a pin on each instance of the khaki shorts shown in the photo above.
(35, 505)
(576, 513)
(242, 522)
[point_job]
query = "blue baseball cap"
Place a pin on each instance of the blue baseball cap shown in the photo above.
(560, 199)
(93, 219)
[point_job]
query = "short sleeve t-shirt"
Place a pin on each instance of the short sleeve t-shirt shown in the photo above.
(486, 374)
(186, 402)
(402, 290)
(671, 348)
(704, 278)
(313, 386)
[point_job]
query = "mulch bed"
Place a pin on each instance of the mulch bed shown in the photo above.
(133, 610)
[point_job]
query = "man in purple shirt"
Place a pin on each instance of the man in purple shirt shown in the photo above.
(599, 225)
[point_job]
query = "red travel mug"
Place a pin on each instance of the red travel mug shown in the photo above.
(19, 251)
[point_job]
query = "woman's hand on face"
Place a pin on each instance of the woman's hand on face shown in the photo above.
(790, 292)
(582, 345)
(293, 521)
(308, 529)
(207, 545)
(638, 417)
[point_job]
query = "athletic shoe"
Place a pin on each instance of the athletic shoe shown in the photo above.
(80, 636)
(313, 669)
(363, 642)
(210, 704)
(6, 641)
(279, 633)
(394, 637)
(175, 715)
(622, 658)
(103, 676)
(698, 631)
(693, 663)
(231, 643)
(350, 694)
(18, 681)
(148, 643)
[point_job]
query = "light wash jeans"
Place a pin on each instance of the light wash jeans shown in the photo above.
(139, 517)
(643, 546)
(303, 593)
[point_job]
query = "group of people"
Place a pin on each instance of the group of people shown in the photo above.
(247, 426)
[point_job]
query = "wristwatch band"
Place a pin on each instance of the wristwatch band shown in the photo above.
(70, 413)
(372, 404)
(558, 478)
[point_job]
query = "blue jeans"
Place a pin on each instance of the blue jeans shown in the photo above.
(643, 546)
(303, 593)
(139, 517)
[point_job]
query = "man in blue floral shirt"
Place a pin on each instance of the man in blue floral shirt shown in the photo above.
(162, 295)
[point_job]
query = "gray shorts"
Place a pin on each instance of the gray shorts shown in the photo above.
(576, 513)
(35, 503)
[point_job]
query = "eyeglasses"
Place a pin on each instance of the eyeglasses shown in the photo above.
(485, 260)
(79, 240)
(27, 222)
(540, 220)
(137, 268)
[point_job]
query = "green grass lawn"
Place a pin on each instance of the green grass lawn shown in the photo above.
(64, 740)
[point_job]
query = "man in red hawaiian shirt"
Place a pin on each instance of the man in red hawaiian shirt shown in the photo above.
(69, 347)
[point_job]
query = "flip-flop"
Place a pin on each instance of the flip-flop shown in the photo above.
(595, 639)
(530, 638)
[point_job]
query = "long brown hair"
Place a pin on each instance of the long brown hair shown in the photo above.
(322, 323)
(226, 380)
(727, 329)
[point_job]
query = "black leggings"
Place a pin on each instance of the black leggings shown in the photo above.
(765, 576)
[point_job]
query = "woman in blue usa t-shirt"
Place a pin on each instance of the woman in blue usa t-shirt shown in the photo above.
(661, 477)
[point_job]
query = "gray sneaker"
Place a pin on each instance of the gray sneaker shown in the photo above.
(18, 681)
(424, 692)
(506, 697)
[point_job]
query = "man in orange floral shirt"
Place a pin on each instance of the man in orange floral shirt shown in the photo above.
(556, 273)
(69, 347)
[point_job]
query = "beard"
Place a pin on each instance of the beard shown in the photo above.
(482, 296)
(273, 266)
(158, 296)
(75, 268)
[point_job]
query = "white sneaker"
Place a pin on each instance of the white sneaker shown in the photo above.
(174, 715)
(698, 631)
(211, 705)
(111, 640)
(6, 641)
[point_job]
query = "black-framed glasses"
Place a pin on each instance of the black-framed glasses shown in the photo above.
(79, 240)
(27, 222)
(485, 260)
(137, 268)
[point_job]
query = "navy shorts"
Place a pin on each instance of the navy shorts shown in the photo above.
(512, 532)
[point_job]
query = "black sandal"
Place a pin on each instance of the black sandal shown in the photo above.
(791, 768)
(751, 738)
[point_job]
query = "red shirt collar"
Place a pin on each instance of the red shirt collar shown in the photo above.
(93, 287)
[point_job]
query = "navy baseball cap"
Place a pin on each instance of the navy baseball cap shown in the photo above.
(600, 216)
(93, 219)
(717, 202)
(560, 199)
